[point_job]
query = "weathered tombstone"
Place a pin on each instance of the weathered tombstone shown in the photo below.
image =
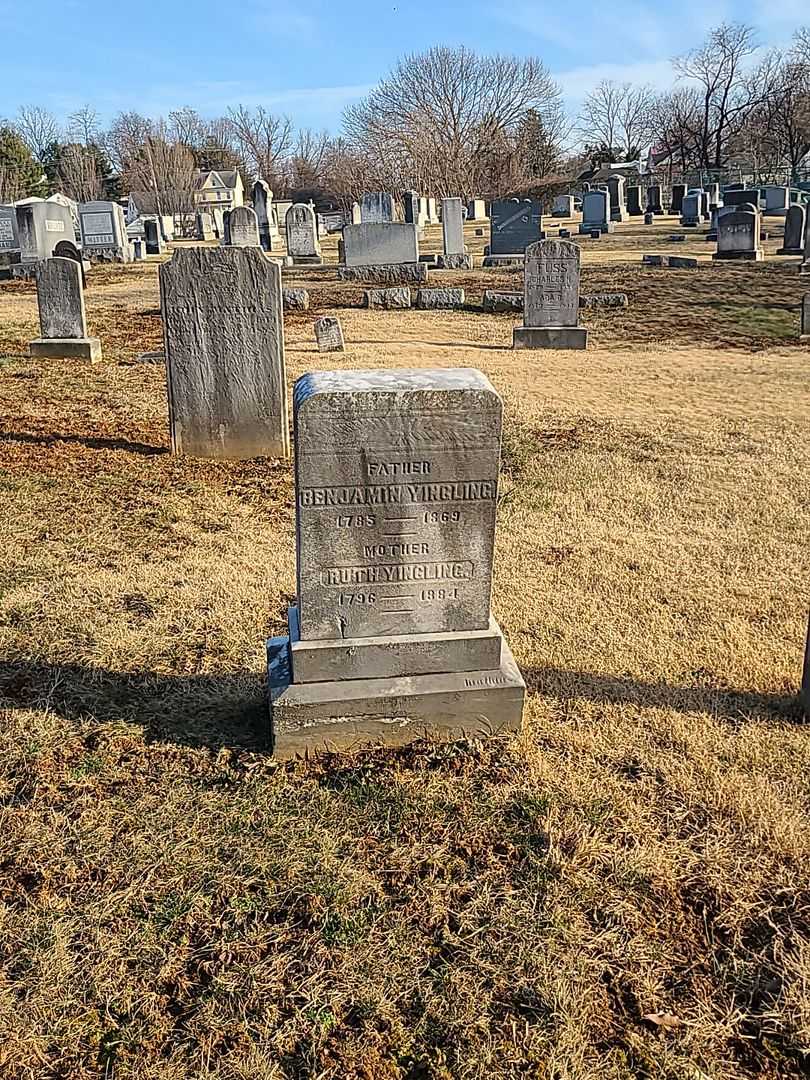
(380, 244)
(152, 237)
(262, 199)
(618, 210)
(654, 199)
(690, 211)
(104, 231)
(804, 333)
(243, 228)
(514, 225)
(329, 334)
(794, 231)
(62, 320)
(634, 207)
(455, 256)
(302, 237)
(392, 636)
(678, 193)
(738, 235)
(138, 249)
(204, 225)
(66, 249)
(476, 210)
(223, 329)
(551, 298)
(376, 207)
(226, 227)
(356, 214)
(563, 206)
(596, 213)
(218, 216)
(705, 209)
(40, 227)
(10, 252)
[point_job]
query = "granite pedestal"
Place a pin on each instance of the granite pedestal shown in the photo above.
(88, 348)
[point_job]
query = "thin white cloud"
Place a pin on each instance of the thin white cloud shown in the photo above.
(577, 83)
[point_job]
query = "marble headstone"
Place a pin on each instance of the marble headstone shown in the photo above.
(243, 228)
(62, 321)
(262, 199)
(40, 227)
(563, 206)
(551, 298)
(392, 635)
(302, 235)
(329, 334)
(380, 244)
(223, 330)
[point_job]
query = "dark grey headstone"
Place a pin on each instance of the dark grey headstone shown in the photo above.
(634, 207)
(376, 207)
(224, 341)
(262, 199)
(514, 225)
(678, 192)
(794, 231)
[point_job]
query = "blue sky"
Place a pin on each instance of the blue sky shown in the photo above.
(310, 59)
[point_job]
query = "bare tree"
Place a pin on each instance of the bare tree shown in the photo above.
(776, 135)
(307, 160)
(37, 128)
(431, 123)
(265, 141)
(718, 68)
(618, 118)
(83, 125)
(675, 119)
(125, 139)
(79, 172)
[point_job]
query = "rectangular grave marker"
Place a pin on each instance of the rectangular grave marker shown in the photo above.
(551, 298)
(63, 325)
(514, 225)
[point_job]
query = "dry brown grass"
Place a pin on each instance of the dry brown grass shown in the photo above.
(173, 904)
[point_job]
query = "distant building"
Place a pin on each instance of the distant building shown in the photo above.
(220, 189)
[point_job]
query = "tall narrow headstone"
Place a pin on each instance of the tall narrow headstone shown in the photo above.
(634, 207)
(618, 210)
(152, 237)
(738, 234)
(300, 226)
(514, 225)
(391, 635)
(804, 333)
(411, 201)
(356, 214)
(455, 256)
(204, 225)
(690, 211)
(654, 199)
(678, 192)
(376, 207)
(223, 330)
(551, 298)
(262, 199)
(794, 231)
(62, 321)
(226, 227)
(476, 210)
(243, 228)
(804, 268)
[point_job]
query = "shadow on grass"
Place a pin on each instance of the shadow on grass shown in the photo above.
(436, 344)
(727, 704)
(90, 441)
(228, 710)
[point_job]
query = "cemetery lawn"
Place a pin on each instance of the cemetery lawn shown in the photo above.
(621, 891)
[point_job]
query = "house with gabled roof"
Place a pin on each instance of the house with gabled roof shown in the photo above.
(220, 189)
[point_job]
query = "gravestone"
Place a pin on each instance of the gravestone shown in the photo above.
(551, 298)
(302, 236)
(690, 211)
(634, 207)
(391, 636)
(138, 249)
(649, 219)
(654, 199)
(476, 210)
(678, 193)
(243, 227)
(804, 268)
(356, 214)
(777, 200)
(204, 225)
(705, 209)
(10, 252)
(329, 334)
(40, 227)
(104, 231)
(432, 213)
(738, 196)
(218, 216)
(514, 225)
(411, 202)
(794, 231)
(376, 207)
(738, 235)
(618, 209)
(223, 330)
(152, 237)
(262, 200)
(66, 249)
(226, 227)
(596, 213)
(62, 320)
(455, 256)
(380, 244)
(563, 206)
(804, 334)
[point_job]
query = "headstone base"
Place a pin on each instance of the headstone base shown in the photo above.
(454, 262)
(604, 227)
(304, 260)
(392, 657)
(504, 260)
(550, 337)
(618, 215)
(338, 715)
(790, 251)
(747, 256)
(88, 348)
(385, 273)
